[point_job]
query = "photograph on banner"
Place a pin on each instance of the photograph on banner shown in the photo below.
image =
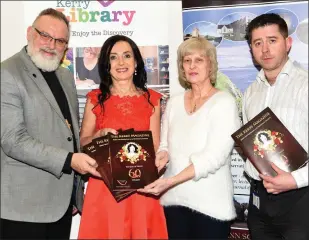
(86, 67)
(241, 203)
(239, 225)
(225, 28)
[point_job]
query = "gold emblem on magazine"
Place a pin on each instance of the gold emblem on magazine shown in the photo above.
(135, 173)
(132, 152)
(266, 140)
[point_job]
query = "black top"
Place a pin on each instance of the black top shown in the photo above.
(54, 85)
(84, 74)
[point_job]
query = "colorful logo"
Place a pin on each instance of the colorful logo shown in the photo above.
(106, 3)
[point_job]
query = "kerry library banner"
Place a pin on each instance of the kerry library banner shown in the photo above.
(92, 22)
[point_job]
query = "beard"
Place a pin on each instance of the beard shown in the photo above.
(46, 63)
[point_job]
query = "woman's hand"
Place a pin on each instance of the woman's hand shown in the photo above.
(158, 187)
(163, 184)
(161, 160)
(104, 132)
(89, 82)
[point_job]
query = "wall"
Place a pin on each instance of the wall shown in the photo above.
(13, 33)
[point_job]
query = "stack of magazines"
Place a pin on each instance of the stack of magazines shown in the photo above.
(126, 161)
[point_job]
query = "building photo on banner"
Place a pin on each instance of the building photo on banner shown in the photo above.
(224, 27)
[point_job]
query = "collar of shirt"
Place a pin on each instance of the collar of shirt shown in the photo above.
(286, 70)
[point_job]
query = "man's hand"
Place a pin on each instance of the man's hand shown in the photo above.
(83, 164)
(161, 160)
(283, 182)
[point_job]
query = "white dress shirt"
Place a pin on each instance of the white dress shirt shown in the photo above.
(288, 99)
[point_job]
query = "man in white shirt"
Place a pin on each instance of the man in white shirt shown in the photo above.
(278, 207)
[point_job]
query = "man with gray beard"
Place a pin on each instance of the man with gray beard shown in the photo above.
(41, 169)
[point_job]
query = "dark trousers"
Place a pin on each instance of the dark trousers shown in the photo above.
(185, 223)
(28, 230)
(282, 216)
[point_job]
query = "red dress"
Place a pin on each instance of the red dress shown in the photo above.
(138, 216)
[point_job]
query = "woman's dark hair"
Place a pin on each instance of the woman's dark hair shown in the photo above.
(265, 134)
(139, 79)
(135, 148)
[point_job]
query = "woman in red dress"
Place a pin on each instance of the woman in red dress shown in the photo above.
(122, 102)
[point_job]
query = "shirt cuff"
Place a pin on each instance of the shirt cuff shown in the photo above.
(67, 165)
(301, 177)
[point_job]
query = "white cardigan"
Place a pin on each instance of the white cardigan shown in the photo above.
(203, 139)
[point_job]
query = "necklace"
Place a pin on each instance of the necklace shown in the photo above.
(195, 105)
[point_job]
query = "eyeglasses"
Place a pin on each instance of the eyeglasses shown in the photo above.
(47, 38)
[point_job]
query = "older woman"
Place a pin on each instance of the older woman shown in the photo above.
(196, 138)
(122, 101)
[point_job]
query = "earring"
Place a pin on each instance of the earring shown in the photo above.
(135, 72)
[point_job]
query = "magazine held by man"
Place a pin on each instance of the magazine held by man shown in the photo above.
(126, 161)
(265, 139)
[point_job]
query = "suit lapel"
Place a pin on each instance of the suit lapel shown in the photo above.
(37, 77)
